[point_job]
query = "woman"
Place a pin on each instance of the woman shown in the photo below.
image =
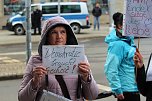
(119, 67)
(56, 31)
(143, 81)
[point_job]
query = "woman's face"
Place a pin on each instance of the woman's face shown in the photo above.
(119, 28)
(57, 36)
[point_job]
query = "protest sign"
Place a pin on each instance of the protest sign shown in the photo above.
(62, 60)
(49, 96)
(138, 18)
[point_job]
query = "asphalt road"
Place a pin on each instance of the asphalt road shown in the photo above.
(95, 49)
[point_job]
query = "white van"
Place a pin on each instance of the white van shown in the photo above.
(76, 13)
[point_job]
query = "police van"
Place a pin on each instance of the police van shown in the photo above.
(76, 13)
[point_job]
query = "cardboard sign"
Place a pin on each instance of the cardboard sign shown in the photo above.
(49, 96)
(62, 60)
(138, 18)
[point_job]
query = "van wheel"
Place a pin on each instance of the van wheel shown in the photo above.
(19, 30)
(76, 28)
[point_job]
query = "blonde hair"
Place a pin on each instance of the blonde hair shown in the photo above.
(97, 4)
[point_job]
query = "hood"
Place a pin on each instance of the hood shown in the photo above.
(111, 37)
(50, 24)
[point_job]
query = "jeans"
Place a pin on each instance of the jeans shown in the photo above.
(96, 22)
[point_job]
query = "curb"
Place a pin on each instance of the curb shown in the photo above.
(78, 38)
(11, 77)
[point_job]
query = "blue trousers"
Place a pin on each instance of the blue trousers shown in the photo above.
(96, 22)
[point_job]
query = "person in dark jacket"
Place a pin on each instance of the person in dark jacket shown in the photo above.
(144, 78)
(36, 20)
(96, 12)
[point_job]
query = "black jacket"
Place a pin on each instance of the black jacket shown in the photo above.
(145, 87)
(96, 11)
(36, 18)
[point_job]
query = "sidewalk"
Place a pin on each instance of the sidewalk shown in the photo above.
(7, 37)
(16, 69)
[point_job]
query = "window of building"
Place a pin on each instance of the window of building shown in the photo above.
(13, 6)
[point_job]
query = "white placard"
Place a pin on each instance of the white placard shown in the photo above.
(149, 72)
(49, 96)
(62, 60)
(138, 18)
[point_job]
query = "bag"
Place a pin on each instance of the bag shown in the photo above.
(42, 94)
(49, 96)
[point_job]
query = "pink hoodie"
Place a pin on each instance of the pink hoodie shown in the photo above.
(26, 93)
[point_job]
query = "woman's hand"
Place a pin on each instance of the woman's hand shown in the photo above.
(138, 59)
(38, 73)
(84, 70)
(120, 96)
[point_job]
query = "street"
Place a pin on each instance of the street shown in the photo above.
(95, 49)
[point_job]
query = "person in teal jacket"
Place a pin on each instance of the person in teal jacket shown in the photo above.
(119, 67)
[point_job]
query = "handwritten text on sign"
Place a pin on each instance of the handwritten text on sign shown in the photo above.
(138, 18)
(61, 60)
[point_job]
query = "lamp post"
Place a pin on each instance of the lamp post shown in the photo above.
(28, 29)
(59, 7)
(111, 4)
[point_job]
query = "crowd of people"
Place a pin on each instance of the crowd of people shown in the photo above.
(120, 66)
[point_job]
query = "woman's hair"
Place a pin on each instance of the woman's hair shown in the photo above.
(118, 19)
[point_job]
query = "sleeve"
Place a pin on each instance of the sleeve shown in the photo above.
(100, 11)
(90, 89)
(141, 80)
(26, 93)
(113, 61)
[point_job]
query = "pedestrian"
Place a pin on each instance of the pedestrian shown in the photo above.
(96, 12)
(119, 67)
(36, 20)
(57, 31)
(143, 78)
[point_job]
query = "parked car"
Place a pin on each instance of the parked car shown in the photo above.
(76, 13)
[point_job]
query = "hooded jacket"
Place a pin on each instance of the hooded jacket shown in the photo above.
(26, 93)
(96, 11)
(119, 67)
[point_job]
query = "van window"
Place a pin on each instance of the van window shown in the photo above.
(33, 8)
(70, 9)
(50, 9)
